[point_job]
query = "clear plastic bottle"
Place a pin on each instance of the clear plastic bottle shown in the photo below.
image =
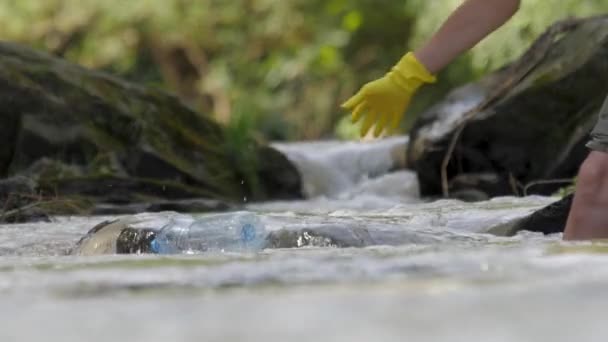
(235, 231)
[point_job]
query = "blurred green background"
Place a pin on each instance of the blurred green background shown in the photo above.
(279, 68)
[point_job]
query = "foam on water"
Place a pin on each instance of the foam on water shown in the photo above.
(345, 169)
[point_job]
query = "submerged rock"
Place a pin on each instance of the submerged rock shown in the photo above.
(79, 132)
(524, 123)
(344, 236)
(101, 239)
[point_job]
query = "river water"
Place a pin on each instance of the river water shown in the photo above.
(435, 277)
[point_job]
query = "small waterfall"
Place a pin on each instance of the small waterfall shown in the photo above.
(370, 171)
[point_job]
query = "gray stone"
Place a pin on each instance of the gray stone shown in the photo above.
(526, 122)
(67, 126)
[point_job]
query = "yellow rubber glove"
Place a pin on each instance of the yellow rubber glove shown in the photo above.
(385, 100)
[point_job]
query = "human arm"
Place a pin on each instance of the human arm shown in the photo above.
(466, 26)
(383, 101)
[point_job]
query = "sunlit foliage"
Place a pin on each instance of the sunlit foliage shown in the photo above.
(287, 64)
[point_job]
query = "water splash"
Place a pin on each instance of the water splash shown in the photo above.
(336, 169)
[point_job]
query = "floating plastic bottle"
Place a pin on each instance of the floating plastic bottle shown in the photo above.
(236, 231)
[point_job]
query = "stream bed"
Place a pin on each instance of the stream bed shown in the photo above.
(437, 277)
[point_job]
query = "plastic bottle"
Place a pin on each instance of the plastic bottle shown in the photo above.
(236, 231)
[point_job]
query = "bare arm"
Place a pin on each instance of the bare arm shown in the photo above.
(469, 24)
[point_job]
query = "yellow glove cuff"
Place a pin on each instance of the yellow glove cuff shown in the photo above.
(410, 74)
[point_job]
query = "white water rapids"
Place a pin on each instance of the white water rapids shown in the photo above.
(445, 280)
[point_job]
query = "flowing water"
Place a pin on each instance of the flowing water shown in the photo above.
(433, 275)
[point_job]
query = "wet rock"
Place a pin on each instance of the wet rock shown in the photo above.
(524, 123)
(135, 241)
(121, 236)
(548, 220)
(276, 172)
(81, 132)
(101, 239)
(474, 187)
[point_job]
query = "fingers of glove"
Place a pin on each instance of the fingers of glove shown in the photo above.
(395, 120)
(381, 125)
(370, 118)
(354, 101)
(358, 112)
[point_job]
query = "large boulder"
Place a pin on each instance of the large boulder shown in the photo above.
(80, 132)
(520, 126)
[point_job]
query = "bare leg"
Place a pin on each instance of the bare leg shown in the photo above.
(588, 217)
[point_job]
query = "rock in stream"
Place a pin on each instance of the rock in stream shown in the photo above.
(85, 134)
(525, 123)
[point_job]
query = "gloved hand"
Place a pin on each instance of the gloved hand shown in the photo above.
(385, 100)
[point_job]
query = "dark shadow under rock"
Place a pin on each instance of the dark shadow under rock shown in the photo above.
(180, 206)
(19, 201)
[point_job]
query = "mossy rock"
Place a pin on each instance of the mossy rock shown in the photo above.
(53, 109)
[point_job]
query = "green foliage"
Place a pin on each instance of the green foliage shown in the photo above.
(241, 147)
(286, 64)
(510, 41)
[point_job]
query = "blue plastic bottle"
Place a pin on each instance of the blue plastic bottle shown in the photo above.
(235, 231)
